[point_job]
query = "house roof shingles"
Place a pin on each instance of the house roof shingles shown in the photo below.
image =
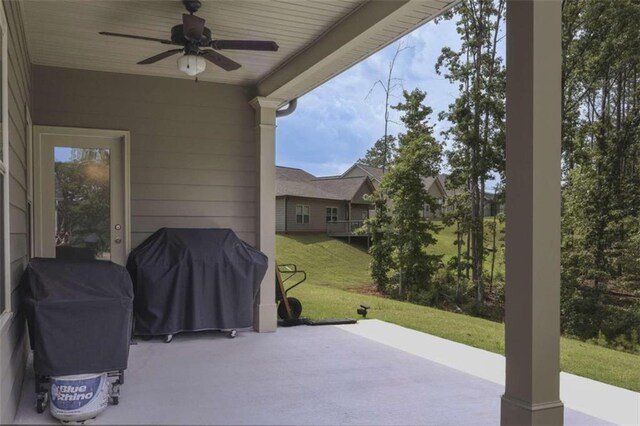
(302, 189)
(375, 172)
(298, 183)
(292, 174)
(344, 188)
(449, 189)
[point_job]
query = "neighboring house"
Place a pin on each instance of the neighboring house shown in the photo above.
(450, 190)
(446, 184)
(493, 204)
(436, 189)
(306, 203)
(359, 169)
(433, 185)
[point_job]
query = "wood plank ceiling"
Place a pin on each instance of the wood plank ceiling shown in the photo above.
(65, 33)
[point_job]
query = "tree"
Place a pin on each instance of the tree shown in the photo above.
(498, 217)
(386, 147)
(601, 163)
(380, 231)
(381, 154)
(419, 156)
(477, 132)
(82, 200)
(458, 212)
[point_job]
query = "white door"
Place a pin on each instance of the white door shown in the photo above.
(80, 194)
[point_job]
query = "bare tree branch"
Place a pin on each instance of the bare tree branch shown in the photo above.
(388, 88)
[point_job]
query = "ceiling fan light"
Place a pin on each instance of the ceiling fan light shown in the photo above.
(191, 64)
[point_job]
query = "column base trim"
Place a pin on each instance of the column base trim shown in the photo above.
(517, 412)
(265, 318)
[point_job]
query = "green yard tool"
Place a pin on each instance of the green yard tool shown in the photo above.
(290, 308)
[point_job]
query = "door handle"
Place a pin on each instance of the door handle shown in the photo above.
(118, 240)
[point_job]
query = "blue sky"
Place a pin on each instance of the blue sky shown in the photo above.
(336, 123)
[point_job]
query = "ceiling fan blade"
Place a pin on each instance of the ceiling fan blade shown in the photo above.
(136, 37)
(221, 60)
(270, 46)
(159, 56)
(192, 26)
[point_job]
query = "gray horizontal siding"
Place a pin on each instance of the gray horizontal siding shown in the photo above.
(176, 192)
(355, 172)
(281, 214)
(13, 347)
(317, 210)
(359, 211)
(192, 145)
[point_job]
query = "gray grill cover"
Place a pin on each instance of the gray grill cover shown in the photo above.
(79, 315)
(194, 279)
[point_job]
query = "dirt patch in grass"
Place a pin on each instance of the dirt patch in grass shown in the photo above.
(369, 290)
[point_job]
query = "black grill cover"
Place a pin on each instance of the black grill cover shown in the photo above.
(194, 279)
(79, 315)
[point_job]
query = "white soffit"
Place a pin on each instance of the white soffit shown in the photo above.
(318, 39)
(371, 27)
(65, 33)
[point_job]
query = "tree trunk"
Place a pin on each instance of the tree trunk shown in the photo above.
(493, 245)
(475, 162)
(459, 265)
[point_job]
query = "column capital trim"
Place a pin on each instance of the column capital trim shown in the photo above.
(260, 102)
(266, 126)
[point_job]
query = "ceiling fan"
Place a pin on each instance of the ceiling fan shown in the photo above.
(196, 44)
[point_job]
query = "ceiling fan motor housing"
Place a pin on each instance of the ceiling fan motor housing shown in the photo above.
(177, 37)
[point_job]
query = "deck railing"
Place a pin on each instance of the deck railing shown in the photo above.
(344, 228)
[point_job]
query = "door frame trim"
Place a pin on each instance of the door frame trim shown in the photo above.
(38, 132)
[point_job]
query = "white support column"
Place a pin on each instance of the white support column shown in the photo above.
(532, 318)
(265, 316)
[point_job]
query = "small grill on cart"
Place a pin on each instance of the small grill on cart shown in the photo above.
(79, 316)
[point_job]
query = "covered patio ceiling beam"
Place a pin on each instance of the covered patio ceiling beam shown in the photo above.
(332, 44)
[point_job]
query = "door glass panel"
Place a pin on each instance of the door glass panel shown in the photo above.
(82, 203)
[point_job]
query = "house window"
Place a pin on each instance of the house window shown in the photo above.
(332, 214)
(302, 214)
(5, 288)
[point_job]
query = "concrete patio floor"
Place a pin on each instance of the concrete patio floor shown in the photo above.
(309, 375)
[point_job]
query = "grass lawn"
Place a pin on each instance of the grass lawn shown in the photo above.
(327, 261)
(333, 266)
(446, 247)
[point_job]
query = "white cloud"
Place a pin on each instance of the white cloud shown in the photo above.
(336, 123)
